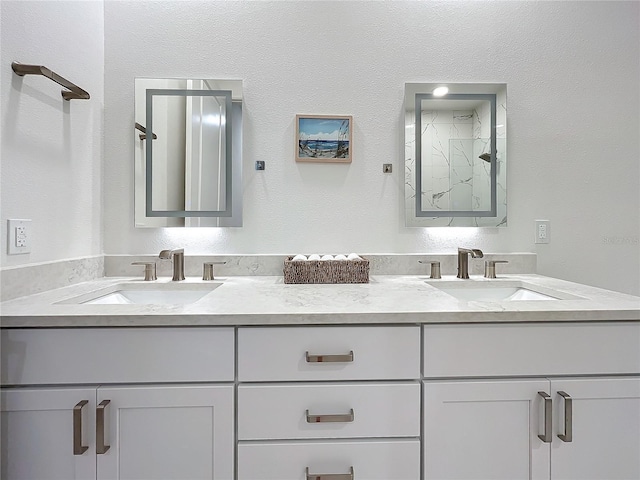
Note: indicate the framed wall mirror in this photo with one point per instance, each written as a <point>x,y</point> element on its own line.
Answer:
<point>455,155</point>
<point>188,153</point>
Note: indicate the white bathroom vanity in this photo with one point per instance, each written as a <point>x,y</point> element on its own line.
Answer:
<point>257,380</point>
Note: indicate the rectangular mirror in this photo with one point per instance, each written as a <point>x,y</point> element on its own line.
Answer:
<point>455,155</point>
<point>188,153</point>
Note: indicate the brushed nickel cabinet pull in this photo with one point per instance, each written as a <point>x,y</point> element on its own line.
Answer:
<point>78,448</point>
<point>546,436</point>
<point>101,448</point>
<point>340,418</point>
<point>567,436</point>
<point>329,358</point>
<point>330,476</point>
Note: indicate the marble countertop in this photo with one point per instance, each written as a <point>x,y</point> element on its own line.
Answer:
<point>267,300</point>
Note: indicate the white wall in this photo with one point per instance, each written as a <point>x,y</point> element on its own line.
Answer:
<point>573,146</point>
<point>51,154</point>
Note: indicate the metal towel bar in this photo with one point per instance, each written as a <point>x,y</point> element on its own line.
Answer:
<point>76,92</point>
<point>143,135</point>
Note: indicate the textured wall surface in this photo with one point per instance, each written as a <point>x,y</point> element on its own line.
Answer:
<point>572,70</point>
<point>52,149</point>
<point>573,121</point>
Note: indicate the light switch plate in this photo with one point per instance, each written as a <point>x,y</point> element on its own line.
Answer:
<point>19,237</point>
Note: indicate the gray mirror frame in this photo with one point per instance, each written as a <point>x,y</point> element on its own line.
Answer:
<point>227,212</point>
<point>497,161</point>
<point>235,120</point>
<point>420,212</point>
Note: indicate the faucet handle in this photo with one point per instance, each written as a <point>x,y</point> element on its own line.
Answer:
<point>149,270</point>
<point>207,270</point>
<point>490,268</point>
<point>435,268</point>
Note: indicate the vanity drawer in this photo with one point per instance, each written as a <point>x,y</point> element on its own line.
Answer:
<point>303,411</point>
<point>116,355</point>
<point>370,460</point>
<point>328,353</point>
<point>489,350</point>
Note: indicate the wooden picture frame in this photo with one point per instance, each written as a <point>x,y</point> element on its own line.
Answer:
<point>324,138</point>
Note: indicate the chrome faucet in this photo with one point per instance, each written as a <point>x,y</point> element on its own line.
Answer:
<point>177,257</point>
<point>463,260</point>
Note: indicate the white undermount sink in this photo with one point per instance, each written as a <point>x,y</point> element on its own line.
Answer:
<point>497,291</point>
<point>147,293</point>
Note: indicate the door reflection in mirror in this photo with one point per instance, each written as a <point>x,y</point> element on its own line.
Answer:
<point>190,173</point>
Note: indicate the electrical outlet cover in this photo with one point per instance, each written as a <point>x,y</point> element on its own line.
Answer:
<point>543,231</point>
<point>19,237</point>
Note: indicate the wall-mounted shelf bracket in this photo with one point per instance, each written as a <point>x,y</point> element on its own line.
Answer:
<point>74,91</point>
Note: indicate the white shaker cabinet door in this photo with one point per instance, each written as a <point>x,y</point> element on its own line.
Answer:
<point>479,430</point>
<point>38,441</point>
<point>166,433</point>
<point>603,423</point>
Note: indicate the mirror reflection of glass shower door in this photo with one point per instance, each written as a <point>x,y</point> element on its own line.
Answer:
<point>205,155</point>
<point>168,155</point>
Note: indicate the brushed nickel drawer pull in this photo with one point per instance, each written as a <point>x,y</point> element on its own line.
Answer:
<point>329,358</point>
<point>546,436</point>
<point>330,476</point>
<point>78,448</point>
<point>339,418</point>
<point>567,436</point>
<point>101,448</point>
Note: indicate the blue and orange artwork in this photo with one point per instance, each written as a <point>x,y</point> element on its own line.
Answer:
<point>323,138</point>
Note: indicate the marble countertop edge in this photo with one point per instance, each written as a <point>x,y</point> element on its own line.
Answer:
<point>266,300</point>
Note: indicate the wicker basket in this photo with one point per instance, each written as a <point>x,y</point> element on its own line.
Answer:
<point>326,271</point>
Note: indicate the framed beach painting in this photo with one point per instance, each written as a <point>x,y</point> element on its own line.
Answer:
<point>323,138</point>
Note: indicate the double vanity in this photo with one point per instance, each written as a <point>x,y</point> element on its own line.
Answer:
<point>248,378</point>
